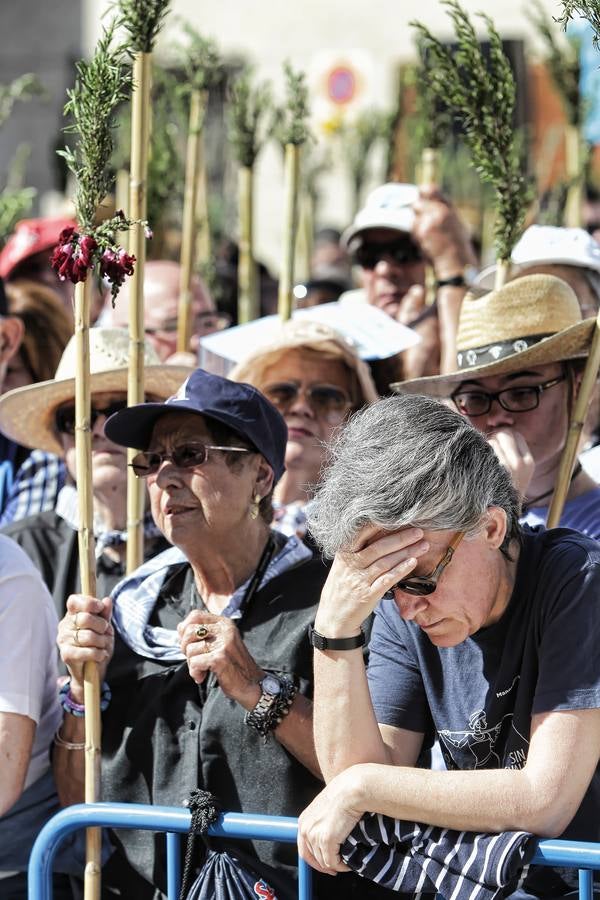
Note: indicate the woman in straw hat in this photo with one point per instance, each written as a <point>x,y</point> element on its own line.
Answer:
<point>316,380</point>
<point>42,416</point>
<point>520,353</point>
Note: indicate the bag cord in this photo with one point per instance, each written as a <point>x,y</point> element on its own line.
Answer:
<point>204,808</point>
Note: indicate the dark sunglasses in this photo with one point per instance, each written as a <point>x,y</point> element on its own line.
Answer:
<point>64,417</point>
<point>401,252</point>
<point>186,456</point>
<point>328,401</point>
<point>422,585</point>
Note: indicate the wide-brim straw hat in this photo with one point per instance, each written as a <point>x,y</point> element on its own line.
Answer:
<point>304,334</point>
<point>27,413</point>
<point>532,321</point>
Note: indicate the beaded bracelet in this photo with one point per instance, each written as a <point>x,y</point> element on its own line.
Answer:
<point>78,709</point>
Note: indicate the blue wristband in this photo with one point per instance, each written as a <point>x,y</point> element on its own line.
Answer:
<point>78,709</point>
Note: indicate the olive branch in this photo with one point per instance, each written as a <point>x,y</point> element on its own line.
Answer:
<point>562,61</point>
<point>248,108</point>
<point>587,9</point>
<point>290,120</point>
<point>480,93</point>
<point>100,86</point>
<point>142,21</point>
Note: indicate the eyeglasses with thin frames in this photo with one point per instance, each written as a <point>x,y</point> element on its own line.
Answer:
<point>186,456</point>
<point>422,585</point>
<point>522,398</point>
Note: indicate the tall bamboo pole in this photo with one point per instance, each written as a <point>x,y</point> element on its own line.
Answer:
<point>140,134</point>
<point>248,300</point>
<point>430,174</point>
<point>502,272</point>
<point>569,454</point>
<point>203,242</point>
<point>87,565</point>
<point>285,302</point>
<point>574,176</point>
<point>189,231</point>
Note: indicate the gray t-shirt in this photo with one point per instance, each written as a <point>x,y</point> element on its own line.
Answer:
<point>477,698</point>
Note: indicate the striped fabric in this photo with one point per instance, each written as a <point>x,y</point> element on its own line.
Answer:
<point>423,859</point>
<point>35,487</point>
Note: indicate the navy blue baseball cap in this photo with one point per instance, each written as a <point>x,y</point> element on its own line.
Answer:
<point>238,406</point>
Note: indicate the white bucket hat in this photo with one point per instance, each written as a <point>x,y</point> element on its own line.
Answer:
<point>549,246</point>
<point>388,206</point>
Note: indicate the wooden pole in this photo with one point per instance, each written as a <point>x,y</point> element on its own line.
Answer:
<point>188,232</point>
<point>87,567</point>
<point>502,271</point>
<point>140,133</point>
<point>430,175</point>
<point>569,454</point>
<point>286,277</point>
<point>203,251</point>
<point>574,176</point>
<point>248,300</point>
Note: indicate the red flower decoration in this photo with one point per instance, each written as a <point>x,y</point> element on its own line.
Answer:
<point>73,255</point>
<point>116,266</point>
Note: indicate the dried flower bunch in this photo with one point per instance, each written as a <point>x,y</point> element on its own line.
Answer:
<point>78,253</point>
<point>480,92</point>
<point>101,85</point>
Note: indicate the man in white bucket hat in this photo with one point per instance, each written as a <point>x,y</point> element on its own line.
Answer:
<point>520,356</point>
<point>398,231</point>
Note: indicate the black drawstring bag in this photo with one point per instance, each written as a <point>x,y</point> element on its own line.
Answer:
<point>222,876</point>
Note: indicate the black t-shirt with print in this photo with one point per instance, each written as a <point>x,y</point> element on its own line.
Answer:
<point>478,698</point>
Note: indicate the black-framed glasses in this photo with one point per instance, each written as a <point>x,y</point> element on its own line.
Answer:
<point>401,251</point>
<point>186,456</point>
<point>64,417</point>
<point>421,585</point>
<point>522,398</point>
<point>328,401</point>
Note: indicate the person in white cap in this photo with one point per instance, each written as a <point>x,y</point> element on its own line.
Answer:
<point>398,231</point>
<point>568,253</point>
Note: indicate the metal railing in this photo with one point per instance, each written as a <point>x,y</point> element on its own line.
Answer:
<point>176,820</point>
<point>173,820</point>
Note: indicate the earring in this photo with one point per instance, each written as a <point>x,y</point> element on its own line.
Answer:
<point>255,506</point>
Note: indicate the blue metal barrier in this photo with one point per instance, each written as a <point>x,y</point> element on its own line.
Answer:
<point>173,820</point>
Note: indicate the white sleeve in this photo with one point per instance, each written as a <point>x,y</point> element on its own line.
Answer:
<point>28,624</point>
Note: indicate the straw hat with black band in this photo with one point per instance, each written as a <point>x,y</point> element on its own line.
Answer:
<point>304,334</point>
<point>27,413</point>
<point>531,321</point>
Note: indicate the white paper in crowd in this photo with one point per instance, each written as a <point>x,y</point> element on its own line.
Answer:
<point>372,333</point>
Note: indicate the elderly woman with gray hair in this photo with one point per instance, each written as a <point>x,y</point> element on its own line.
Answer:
<point>485,636</point>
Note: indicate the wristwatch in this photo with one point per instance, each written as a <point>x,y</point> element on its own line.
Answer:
<point>276,697</point>
<point>320,642</point>
<point>461,279</point>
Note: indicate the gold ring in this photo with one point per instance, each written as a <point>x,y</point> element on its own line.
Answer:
<point>77,630</point>
<point>201,632</point>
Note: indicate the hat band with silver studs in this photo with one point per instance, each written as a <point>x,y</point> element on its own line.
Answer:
<point>491,353</point>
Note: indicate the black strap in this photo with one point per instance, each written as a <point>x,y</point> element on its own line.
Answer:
<point>320,642</point>
<point>204,808</point>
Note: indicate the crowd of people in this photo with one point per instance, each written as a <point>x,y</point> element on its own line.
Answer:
<point>349,609</point>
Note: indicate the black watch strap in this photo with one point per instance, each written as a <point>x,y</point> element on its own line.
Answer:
<point>455,281</point>
<point>320,642</point>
